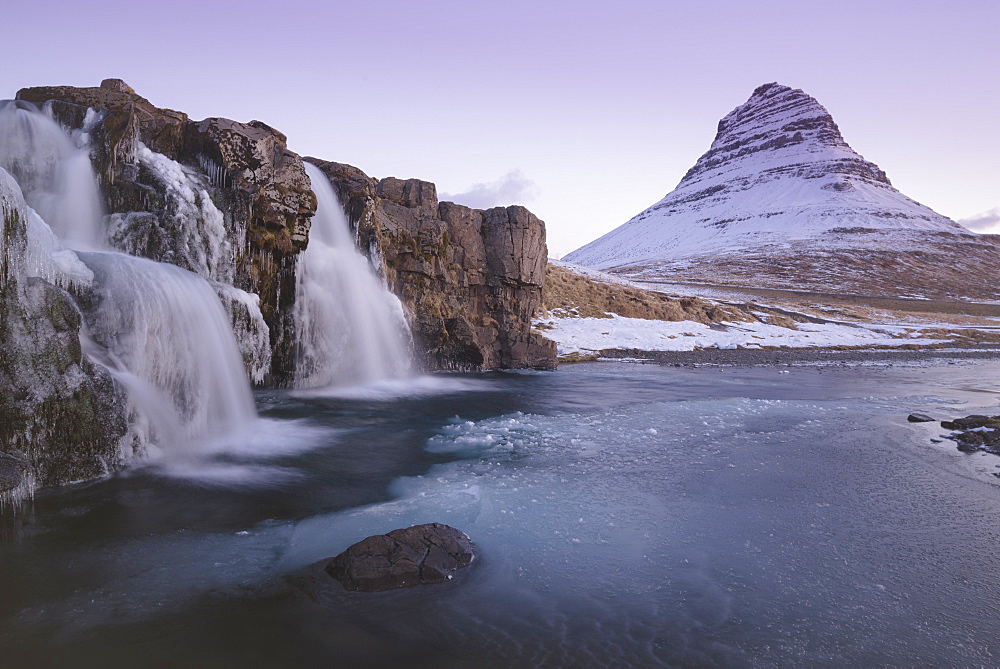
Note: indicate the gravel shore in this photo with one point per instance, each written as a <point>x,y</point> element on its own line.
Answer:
<point>802,356</point>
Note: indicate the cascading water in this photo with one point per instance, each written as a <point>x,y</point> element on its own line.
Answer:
<point>54,174</point>
<point>161,330</point>
<point>163,333</point>
<point>350,330</point>
<point>191,232</point>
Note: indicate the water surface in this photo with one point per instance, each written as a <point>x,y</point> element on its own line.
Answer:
<point>627,515</point>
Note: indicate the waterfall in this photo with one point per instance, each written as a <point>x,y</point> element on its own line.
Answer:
<point>163,333</point>
<point>159,329</point>
<point>54,175</point>
<point>350,329</point>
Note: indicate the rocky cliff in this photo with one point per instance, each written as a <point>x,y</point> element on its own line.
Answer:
<point>164,177</point>
<point>470,279</point>
<point>229,201</point>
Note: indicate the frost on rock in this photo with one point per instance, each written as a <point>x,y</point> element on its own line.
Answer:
<point>188,230</point>
<point>252,334</point>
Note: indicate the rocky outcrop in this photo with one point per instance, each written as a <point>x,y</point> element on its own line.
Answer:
<point>471,280</point>
<point>418,555</point>
<point>60,413</point>
<point>250,179</point>
<point>975,433</point>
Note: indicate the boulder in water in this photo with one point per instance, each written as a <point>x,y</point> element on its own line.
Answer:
<point>975,433</point>
<point>418,555</point>
<point>971,422</point>
<point>919,418</point>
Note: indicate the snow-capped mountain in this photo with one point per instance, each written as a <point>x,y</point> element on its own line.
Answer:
<point>779,180</point>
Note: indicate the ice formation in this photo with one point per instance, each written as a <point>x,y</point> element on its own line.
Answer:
<point>194,226</point>
<point>159,329</point>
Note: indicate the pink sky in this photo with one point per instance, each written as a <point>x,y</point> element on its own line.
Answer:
<point>586,112</point>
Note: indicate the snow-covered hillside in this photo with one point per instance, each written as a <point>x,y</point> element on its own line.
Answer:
<point>778,172</point>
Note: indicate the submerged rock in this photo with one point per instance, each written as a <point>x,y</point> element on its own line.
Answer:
<point>418,555</point>
<point>919,418</point>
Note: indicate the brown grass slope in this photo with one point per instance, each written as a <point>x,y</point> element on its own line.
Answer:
<point>569,294</point>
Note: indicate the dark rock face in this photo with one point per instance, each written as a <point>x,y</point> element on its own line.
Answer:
<point>418,555</point>
<point>13,474</point>
<point>259,185</point>
<point>919,418</point>
<point>60,412</point>
<point>470,280</point>
<point>971,422</point>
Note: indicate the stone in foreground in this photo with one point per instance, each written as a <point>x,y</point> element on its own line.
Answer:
<point>418,555</point>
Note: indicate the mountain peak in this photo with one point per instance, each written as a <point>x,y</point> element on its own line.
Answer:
<point>778,170</point>
<point>785,124</point>
<point>764,88</point>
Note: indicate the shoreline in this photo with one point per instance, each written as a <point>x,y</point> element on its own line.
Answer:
<point>793,356</point>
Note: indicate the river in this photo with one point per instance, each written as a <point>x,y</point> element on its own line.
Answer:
<point>627,515</point>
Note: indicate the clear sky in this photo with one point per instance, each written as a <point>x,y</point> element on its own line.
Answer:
<point>585,112</point>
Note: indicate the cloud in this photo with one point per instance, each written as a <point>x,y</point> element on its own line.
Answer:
<point>987,222</point>
<point>512,188</point>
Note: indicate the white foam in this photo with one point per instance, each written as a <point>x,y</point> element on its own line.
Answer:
<point>405,388</point>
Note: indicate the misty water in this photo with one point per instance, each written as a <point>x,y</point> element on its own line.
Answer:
<point>627,515</point>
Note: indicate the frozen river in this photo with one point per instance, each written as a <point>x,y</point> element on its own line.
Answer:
<point>627,515</point>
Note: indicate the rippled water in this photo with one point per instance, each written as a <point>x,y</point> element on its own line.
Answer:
<point>627,515</point>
